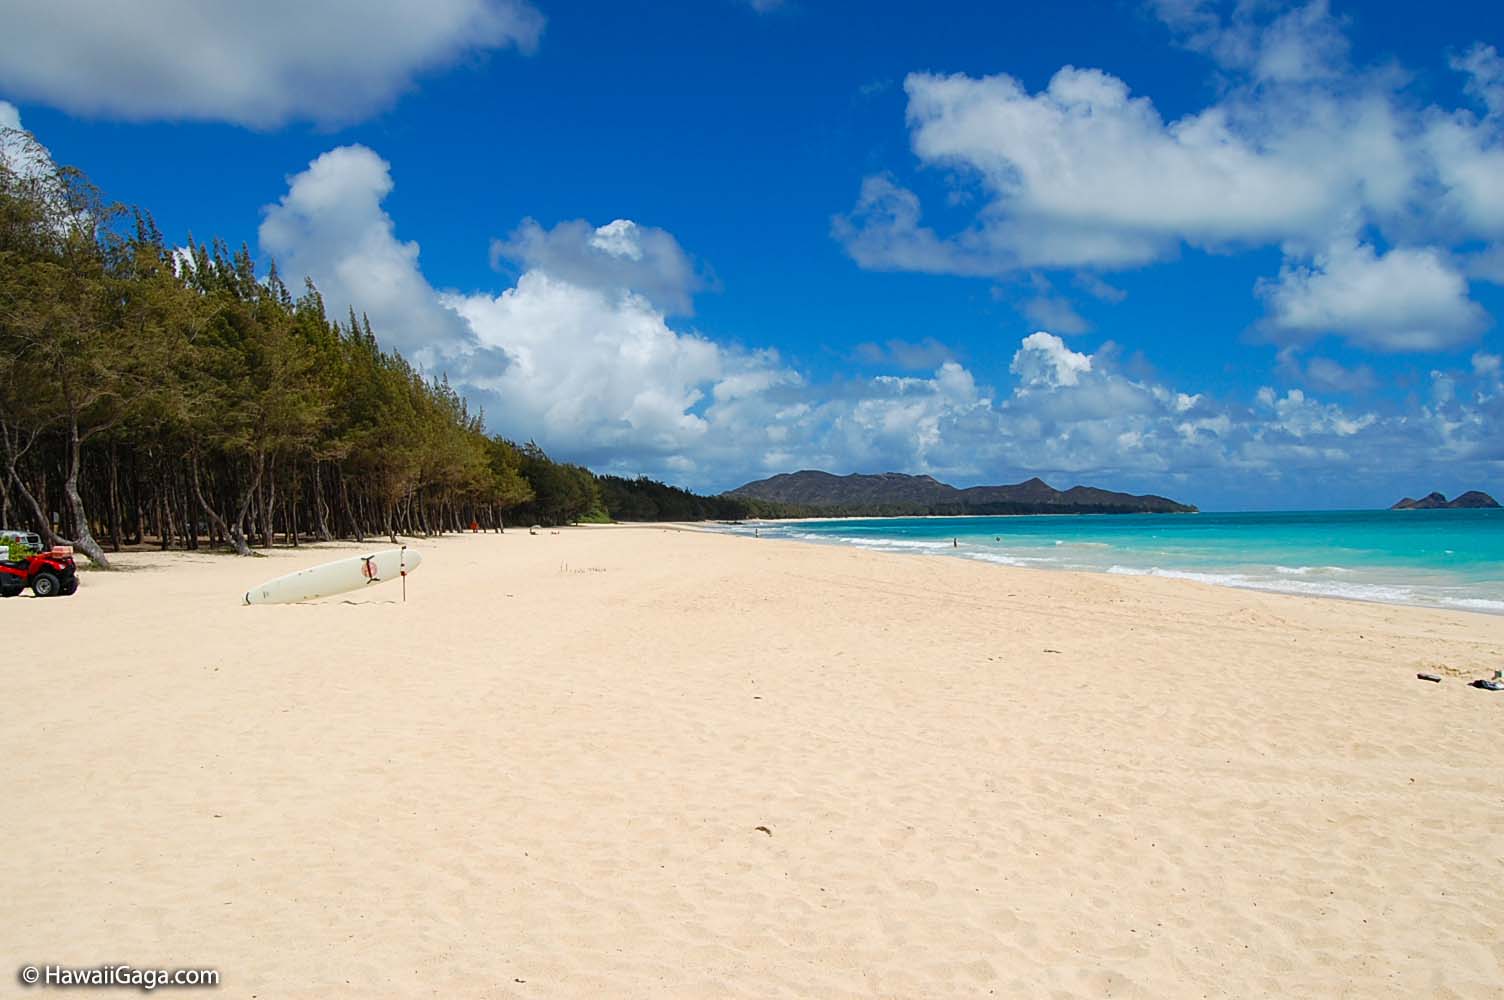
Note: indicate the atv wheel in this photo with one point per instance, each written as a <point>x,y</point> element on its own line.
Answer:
<point>69,586</point>
<point>45,585</point>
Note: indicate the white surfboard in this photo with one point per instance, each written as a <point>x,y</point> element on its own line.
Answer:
<point>339,577</point>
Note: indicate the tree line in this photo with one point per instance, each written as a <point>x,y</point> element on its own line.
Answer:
<point>152,394</point>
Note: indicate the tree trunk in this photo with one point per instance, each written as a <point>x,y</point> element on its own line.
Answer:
<point>115,512</point>
<point>44,526</point>
<point>344,492</point>
<point>84,542</point>
<point>269,506</point>
<point>237,527</point>
<point>321,509</point>
<point>169,522</point>
<point>13,452</point>
<point>233,533</point>
<point>292,509</point>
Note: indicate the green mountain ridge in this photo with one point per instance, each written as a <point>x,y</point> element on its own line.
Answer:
<point>896,493</point>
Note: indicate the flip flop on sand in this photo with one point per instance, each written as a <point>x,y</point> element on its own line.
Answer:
<point>1493,685</point>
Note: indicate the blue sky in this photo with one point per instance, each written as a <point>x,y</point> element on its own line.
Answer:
<point>1245,254</point>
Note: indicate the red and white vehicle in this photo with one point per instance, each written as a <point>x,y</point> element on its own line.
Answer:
<point>48,574</point>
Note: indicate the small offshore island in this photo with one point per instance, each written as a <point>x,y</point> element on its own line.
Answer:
<point>1471,500</point>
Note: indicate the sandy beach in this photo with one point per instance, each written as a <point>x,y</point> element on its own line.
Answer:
<point>638,762</point>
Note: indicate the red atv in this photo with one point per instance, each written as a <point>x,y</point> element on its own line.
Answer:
<point>48,574</point>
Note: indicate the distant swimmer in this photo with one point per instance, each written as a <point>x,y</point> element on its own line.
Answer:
<point>955,544</point>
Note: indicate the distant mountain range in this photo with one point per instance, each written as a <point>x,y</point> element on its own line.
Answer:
<point>893,493</point>
<point>1472,499</point>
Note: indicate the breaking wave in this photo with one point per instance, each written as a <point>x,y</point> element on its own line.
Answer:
<point>1381,593</point>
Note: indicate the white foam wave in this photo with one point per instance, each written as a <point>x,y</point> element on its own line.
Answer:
<point>898,543</point>
<point>1475,604</point>
<point>1383,593</point>
<point>874,543</point>
<point>1308,570</point>
<point>1312,580</point>
<point>1004,559</point>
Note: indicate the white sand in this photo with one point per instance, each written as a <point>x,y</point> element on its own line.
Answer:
<point>543,775</point>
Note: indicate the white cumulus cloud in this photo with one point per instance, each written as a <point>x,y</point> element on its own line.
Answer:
<point>1044,360</point>
<point>599,373</point>
<point>22,153</point>
<point>331,62</point>
<point>1484,68</point>
<point>1087,174</point>
<point>574,356</point>
<point>1300,151</point>
<point>1404,300</point>
<point>331,227</point>
<point>1260,39</point>
<point>620,254</point>
<point>1467,154</point>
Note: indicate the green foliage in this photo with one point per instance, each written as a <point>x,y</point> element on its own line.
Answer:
<point>562,493</point>
<point>18,550</point>
<point>176,393</point>
<point>644,499</point>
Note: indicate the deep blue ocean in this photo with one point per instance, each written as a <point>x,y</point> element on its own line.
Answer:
<point>1436,558</point>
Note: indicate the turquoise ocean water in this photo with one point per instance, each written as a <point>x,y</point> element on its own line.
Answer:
<point>1436,558</point>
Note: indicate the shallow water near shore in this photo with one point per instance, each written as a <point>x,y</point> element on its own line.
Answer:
<point>1431,558</point>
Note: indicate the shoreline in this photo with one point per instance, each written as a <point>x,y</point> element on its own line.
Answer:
<point>1232,577</point>
<point>1176,576</point>
<point>728,529</point>
<point>268,563</point>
